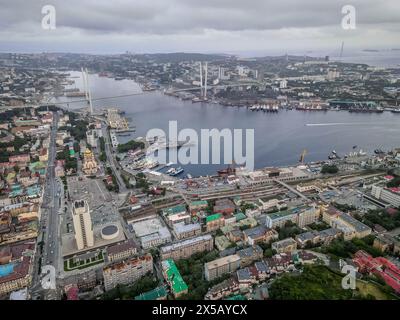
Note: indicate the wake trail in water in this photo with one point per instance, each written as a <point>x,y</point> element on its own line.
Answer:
<point>336,124</point>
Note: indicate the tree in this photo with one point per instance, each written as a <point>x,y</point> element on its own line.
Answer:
<point>329,168</point>
<point>130,145</point>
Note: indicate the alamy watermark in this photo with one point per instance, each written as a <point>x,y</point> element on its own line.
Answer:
<point>48,280</point>
<point>197,150</point>
<point>349,18</point>
<point>349,280</point>
<point>49,19</point>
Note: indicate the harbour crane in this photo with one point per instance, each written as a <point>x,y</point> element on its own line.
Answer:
<point>302,156</point>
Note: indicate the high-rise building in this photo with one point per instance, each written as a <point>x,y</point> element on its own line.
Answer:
<point>82,224</point>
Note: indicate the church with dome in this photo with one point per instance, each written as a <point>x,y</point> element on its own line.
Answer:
<point>89,163</point>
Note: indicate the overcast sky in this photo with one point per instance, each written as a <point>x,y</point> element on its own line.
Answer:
<point>229,26</point>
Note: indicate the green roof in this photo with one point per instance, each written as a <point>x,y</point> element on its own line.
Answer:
<point>280,214</point>
<point>37,165</point>
<point>173,276</point>
<point>213,217</point>
<point>175,209</point>
<point>199,203</point>
<point>155,294</point>
<point>240,216</point>
<point>237,297</point>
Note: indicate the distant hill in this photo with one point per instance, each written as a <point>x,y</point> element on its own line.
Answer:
<point>182,56</point>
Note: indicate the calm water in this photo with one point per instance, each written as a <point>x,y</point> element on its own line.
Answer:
<point>279,138</point>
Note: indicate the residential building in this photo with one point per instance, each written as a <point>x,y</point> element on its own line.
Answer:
<point>173,277</point>
<point>16,266</point>
<point>91,136</point>
<point>121,251</point>
<point>249,255</point>
<point>214,222</point>
<point>287,245</point>
<point>389,195</point>
<point>183,231</point>
<point>259,234</point>
<point>160,237</point>
<point>178,209</point>
<point>224,289</point>
<point>306,215</point>
<point>279,219</point>
<point>224,206</point>
<point>127,271</point>
<point>185,248</point>
<point>172,219</point>
<point>198,205</point>
<point>380,267</point>
<point>216,268</point>
<point>317,237</point>
<point>386,243</point>
<point>351,227</point>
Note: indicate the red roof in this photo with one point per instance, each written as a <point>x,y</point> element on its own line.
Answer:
<point>72,293</point>
<point>379,266</point>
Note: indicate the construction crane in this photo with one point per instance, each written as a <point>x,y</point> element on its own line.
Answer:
<point>302,156</point>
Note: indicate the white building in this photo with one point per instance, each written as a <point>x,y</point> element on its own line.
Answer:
<point>91,137</point>
<point>387,195</point>
<point>82,224</point>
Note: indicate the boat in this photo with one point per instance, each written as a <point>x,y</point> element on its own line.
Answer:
<point>189,176</point>
<point>333,155</point>
<point>378,151</point>
<point>176,171</point>
<point>226,172</point>
<point>170,170</point>
<point>395,110</point>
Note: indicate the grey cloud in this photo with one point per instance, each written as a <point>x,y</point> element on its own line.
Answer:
<point>176,18</point>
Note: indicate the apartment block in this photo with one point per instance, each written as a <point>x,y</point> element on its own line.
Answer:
<point>216,268</point>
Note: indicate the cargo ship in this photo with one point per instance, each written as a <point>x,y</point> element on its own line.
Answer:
<point>226,172</point>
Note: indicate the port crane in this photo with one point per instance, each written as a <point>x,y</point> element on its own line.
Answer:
<point>302,156</point>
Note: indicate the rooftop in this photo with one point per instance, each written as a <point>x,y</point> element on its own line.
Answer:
<point>173,276</point>
<point>213,217</point>
<point>159,292</point>
<point>185,243</point>
<point>222,261</point>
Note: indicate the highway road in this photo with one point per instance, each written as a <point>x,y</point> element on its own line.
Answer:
<point>53,202</point>
<point>110,159</point>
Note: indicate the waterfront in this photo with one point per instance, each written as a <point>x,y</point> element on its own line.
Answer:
<point>279,137</point>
